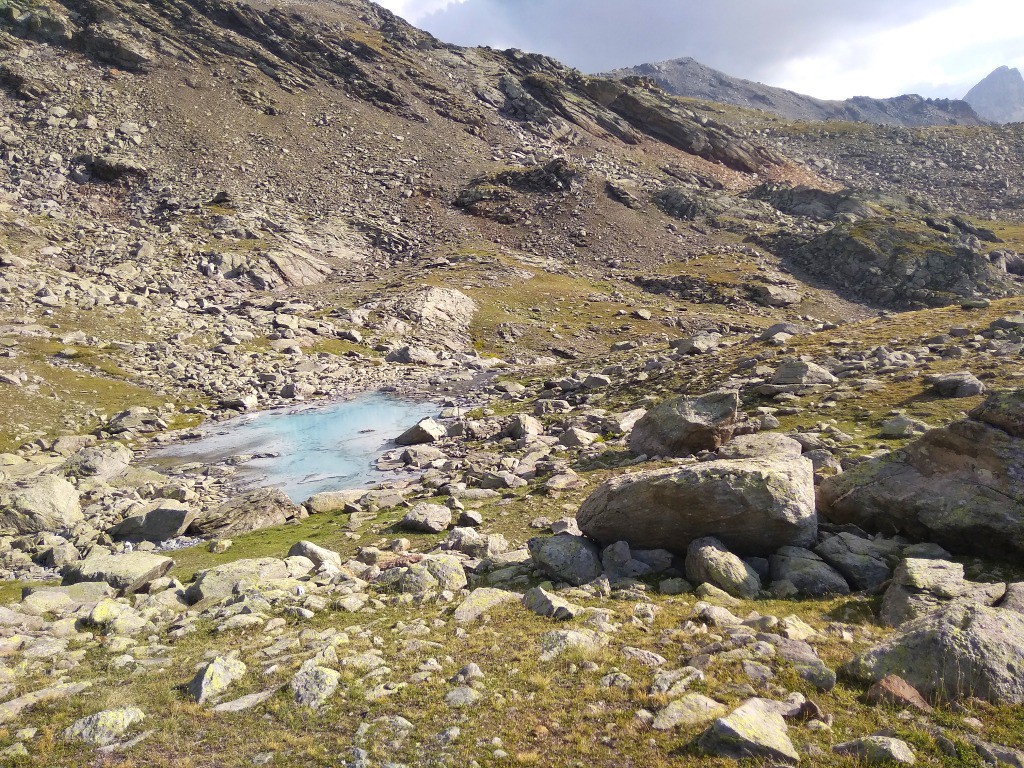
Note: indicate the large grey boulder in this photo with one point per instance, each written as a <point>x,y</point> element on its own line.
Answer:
<point>754,730</point>
<point>961,384</point>
<point>220,582</point>
<point>683,426</point>
<point>433,573</point>
<point>424,431</point>
<point>427,518</point>
<point>760,444</point>
<point>253,511</point>
<point>795,371</point>
<point>708,562</point>
<point>106,727</point>
<point>921,586</point>
<point>958,651</point>
<point>754,506</point>
<point>215,678</point>
<point>572,559</point>
<point>862,562</point>
<point>36,504</point>
<point>811,575</point>
<point>163,519</point>
<point>128,573</point>
<point>959,486</point>
<point>102,462</point>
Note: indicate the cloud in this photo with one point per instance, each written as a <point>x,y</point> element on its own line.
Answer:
<point>830,49</point>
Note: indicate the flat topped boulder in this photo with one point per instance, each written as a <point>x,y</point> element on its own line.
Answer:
<point>161,520</point>
<point>683,426</point>
<point>36,504</point>
<point>796,371</point>
<point>129,572</point>
<point>253,511</point>
<point>217,583</point>
<point>754,506</point>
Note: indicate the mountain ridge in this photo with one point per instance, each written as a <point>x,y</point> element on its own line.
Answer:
<point>999,97</point>
<point>689,78</point>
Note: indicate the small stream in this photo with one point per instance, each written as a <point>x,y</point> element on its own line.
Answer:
<point>306,450</point>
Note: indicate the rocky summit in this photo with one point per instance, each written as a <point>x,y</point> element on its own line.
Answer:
<point>724,459</point>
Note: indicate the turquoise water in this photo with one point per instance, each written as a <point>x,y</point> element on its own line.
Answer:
<point>320,448</point>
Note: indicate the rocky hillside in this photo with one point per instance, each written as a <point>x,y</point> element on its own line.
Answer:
<point>726,461</point>
<point>689,78</point>
<point>999,97</point>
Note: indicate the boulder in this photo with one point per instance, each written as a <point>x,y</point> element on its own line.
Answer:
<point>37,504</point>
<point>220,582</point>
<point>313,685</point>
<point>754,506</point>
<point>921,586</point>
<point>959,486</point>
<point>572,559</point>
<point>163,519</point>
<point>689,710</point>
<point>105,728</point>
<point>480,601</point>
<point>103,462</point>
<point>754,730</point>
<point>544,603</point>
<point>811,575</point>
<point>760,445</point>
<point>252,511</point>
<point>796,371</point>
<point>708,562</point>
<point>877,750</point>
<point>962,384</point>
<point>215,678</point>
<point>427,518</point>
<point>958,651</point>
<point>127,573</point>
<point>862,562</point>
<point>425,431</point>
<point>683,426</point>
<point>316,554</point>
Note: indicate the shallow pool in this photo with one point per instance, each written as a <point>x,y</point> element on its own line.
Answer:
<point>318,448</point>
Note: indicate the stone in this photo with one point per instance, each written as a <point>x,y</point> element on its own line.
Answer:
<point>760,445</point>
<point>698,344</point>
<point>754,506</point>
<point>215,678</point>
<point>427,518</point>
<point>958,487</point>
<point>956,385</point>
<point>523,427</point>
<point>246,702</point>
<point>313,685</point>
<point>862,562</point>
<point>43,503</point>
<point>1013,600</point>
<point>12,708</point>
<point>412,355</point>
<point>955,652</point>
<point>896,691</point>
<point>584,641</point>
<point>545,603</point>
<point>920,586</point>
<point>877,750</point>
<point>805,661</point>
<point>425,431</point>
<point>754,730</point>
<point>220,582</point>
<point>252,511</point>
<point>683,426</point>
<point>709,562</point>
<point>316,554</point>
<point>106,727</point>
<point>461,697</point>
<point>572,559</point>
<point>688,711</point>
<point>480,601</point>
<point>102,463</point>
<point>127,573</point>
<point>796,371</point>
<point>811,575</point>
<point>163,519</point>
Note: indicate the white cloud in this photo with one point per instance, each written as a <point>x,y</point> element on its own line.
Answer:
<point>943,53</point>
<point>414,10</point>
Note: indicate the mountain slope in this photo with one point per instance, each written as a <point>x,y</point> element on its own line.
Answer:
<point>999,97</point>
<point>689,78</point>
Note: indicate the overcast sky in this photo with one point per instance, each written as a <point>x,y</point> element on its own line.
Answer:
<point>825,48</point>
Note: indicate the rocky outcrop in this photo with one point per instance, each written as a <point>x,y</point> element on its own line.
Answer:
<point>899,264</point>
<point>754,506</point>
<point>999,97</point>
<point>36,504</point>
<point>959,486</point>
<point>960,651</point>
